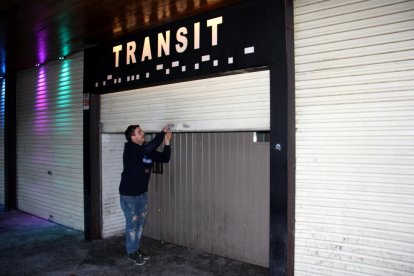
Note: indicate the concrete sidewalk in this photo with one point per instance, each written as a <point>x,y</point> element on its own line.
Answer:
<point>33,246</point>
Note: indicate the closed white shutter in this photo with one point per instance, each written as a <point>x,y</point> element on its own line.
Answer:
<point>2,111</point>
<point>236,102</point>
<point>50,141</point>
<point>354,75</point>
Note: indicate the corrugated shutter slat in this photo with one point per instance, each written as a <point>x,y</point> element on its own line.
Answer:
<point>241,102</point>
<point>354,71</point>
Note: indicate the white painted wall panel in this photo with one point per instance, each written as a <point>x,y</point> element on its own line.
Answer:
<point>50,141</point>
<point>354,70</point>
<point>228,103</point>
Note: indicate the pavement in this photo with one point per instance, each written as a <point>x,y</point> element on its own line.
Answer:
<point>33,246</point>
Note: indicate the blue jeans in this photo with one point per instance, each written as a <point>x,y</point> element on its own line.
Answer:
<point>135,210</point>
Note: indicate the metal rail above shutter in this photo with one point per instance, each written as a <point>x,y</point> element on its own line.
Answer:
<point>228,103</point>
<point>354,63</point>
<point>50,141</point>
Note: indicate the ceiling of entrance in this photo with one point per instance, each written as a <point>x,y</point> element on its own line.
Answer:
<point>34,32</point>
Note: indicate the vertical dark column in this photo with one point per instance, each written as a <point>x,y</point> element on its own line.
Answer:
<point>291,189</point>
<point>282,137</point>
<point>10,142</point>
<point>91,167</point>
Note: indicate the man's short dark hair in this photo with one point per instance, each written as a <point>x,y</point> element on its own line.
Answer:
<point>130,131</point>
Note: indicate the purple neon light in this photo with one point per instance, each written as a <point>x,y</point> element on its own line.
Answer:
<point>41,103</point>
<point>42,47</point>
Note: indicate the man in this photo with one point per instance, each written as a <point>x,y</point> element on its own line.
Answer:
<point>133,189</point>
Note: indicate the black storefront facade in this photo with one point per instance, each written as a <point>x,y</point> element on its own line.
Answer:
<point>262,27</point>
<point>254,35</point>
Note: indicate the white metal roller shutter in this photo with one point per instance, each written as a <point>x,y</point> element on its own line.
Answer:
<point>354,75</point>
<point>113,220</point>
<point>235,102</point>
<point>50,141</point>
<point>2,111</point>
<point>145,107</point>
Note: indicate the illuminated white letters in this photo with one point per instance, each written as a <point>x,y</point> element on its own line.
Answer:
<point>213,24</point>
<point>197,35</point>
<point>164,44</point>
<point>146,52</point>
<point>116,50</point>
<point>131,47</point>
<point>182,39</point>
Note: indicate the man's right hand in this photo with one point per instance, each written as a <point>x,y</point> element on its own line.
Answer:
<point>167,138</point>
<point>166,128</point>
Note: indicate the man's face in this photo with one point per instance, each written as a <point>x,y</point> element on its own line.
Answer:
<point>139,136</point>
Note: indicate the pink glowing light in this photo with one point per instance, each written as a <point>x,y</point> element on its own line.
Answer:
<point>41,103</point>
